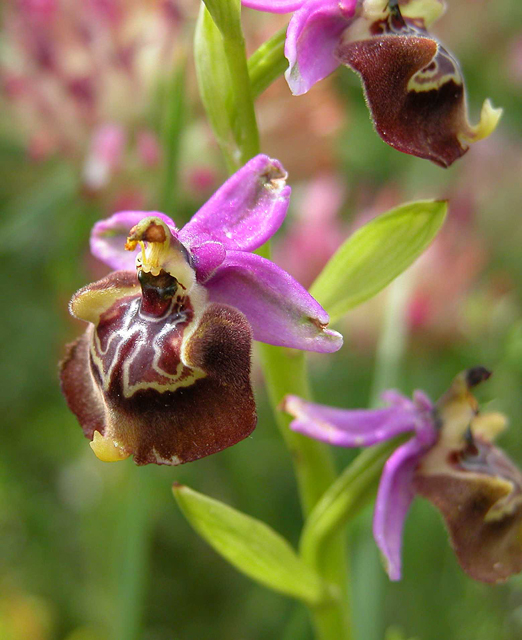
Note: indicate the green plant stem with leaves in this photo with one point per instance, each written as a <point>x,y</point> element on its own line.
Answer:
<point>285,371</point>
<point>364,265</point>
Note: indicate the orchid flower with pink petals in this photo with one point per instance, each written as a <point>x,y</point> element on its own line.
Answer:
<point>163,370</point>
<point>413,85</point>
<point>450,460</point>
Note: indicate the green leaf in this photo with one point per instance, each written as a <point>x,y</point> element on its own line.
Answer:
<point>376,254</point>
<point>172,124</point>
<point>267,63</point>
<point>224,83</point>
<point>215,85</point>
<point>251,546</point>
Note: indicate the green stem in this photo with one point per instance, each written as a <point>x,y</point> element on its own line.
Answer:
<point>284,369</point>
<point>267,63</point>
<point>285,372</point>
<point>172,126</point>
<point>246,132</point>
<point>131,558</point>
<point>392,341</point>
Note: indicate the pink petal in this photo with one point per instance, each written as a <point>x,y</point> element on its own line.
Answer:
<point>246,211</point>
<point>274,6</point>
<point>313,35</point>
<point>393,501</point>
<point>350,427</point>
<point>279,309</point>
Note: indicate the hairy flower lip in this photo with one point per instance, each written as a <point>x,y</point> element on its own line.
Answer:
<point>153,382</point>
<point>163,371</point>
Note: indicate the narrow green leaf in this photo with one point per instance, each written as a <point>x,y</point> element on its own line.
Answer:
<point>215,85</point>
<point>267,63</point>
<point>171,134</point>
<point>376,254</point>
<point>251,546</point>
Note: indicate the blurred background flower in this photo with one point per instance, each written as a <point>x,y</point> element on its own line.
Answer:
<point>81,79</point>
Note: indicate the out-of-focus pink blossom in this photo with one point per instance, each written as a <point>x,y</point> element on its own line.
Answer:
<point>105,155</point>
<point>84,73</point>
<point>445,276</point>
<point>316,232</point>
<point>149,148</point>
<point>202,179</point>
<point>514,62</point>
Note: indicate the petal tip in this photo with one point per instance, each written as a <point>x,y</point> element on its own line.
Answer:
<point>489,119</point>
<point>295,81</point>
<point>107,450</point>
<point>290,404</point>
<point>334,340</point>
<point>275,176</point>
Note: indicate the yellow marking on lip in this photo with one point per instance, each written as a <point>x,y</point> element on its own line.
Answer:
<point>106,449</point>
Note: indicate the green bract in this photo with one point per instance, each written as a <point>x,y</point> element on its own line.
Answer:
<point>251,546</point>
<point>224,83</point>
<point>214,81</point>
<point>376,254</point>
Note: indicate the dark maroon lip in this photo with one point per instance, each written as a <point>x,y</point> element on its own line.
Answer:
<point>158,380</point>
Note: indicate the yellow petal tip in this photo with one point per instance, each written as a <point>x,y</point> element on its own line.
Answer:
<point>489,119</point>
<point>106,449</point>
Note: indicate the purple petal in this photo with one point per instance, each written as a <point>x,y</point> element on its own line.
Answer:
<point>393,501</point>
<point>350,427</point>
<point>313,36</point>
<point>108,237</point>
<point>279,309</point>
<point>207,258</point>
<point>395,398</point>
<point>246,211</point>
<point>274,6</point>
<point>422,401</point>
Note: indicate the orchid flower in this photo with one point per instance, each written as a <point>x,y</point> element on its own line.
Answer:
<point>450,460</point>
<point>163,370</point>
<point>413,86</point>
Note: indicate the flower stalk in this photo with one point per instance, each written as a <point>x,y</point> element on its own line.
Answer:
<point>284,369</point>
<point>247,135</point>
